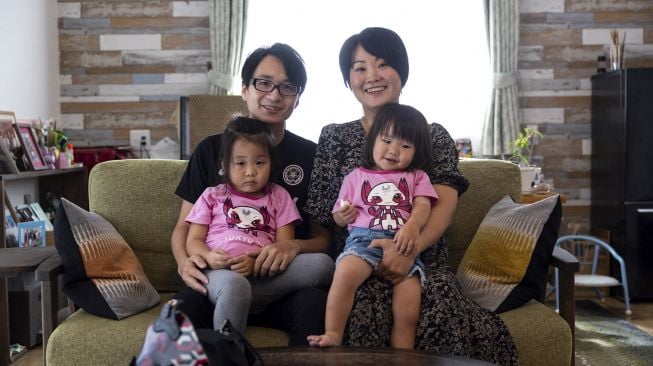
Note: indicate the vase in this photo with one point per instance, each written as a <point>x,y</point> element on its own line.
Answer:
<point>530,175</point>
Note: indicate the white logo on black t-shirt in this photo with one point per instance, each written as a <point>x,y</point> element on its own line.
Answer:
<point>293,175</point>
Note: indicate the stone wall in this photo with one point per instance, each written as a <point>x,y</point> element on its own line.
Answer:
<point>124,65</point>
<point>559,45</point>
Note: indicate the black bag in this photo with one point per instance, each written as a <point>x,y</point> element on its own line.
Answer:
<point>172,339</point>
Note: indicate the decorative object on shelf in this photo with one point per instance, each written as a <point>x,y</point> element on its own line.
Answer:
<point>11,149</point>
<point>31,234</point>
<point>464,147</point>
<point>617,50</point>
<point>522,150</point>
<point>31,149</point>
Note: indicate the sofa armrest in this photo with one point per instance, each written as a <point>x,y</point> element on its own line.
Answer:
<point>567,266</point>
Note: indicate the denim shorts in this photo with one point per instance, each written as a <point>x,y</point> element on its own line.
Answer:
<point>358,243</point>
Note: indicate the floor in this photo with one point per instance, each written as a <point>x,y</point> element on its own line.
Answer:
<point>642,317</point>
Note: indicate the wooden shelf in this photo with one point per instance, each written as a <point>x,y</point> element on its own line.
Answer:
<point>71,183</point>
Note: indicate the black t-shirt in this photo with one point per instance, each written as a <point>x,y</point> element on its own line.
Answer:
<point>294,158</point>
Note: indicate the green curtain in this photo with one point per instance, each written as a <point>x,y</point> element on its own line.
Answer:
<point>228,20</point>
<point>501,125</point>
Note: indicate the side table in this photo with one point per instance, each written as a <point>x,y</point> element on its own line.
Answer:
<point>14,261</point>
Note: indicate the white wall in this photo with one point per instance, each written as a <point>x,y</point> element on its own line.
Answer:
<point>29,58</point>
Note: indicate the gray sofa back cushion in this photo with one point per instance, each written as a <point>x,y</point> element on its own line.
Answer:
<point>137,197</point>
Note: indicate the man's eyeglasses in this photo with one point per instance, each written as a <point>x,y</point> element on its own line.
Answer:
<point>264,85</point>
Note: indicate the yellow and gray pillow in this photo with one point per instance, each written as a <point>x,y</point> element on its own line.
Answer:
<point>507,262</point>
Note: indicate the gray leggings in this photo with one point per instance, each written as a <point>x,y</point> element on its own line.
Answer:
<point>235,296</point>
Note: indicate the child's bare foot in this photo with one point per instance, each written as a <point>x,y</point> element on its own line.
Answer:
<point>328,339</point>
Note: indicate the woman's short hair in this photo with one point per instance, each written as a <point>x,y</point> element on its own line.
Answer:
<point>251,130</point>
<point>291,60</point>
<point>379,42</point>
<point>403,122</point>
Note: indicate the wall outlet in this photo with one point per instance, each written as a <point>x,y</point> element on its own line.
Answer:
<point>136,137</point>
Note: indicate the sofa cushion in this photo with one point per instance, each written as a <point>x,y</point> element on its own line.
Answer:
<point>116,342</point>
<point>507,262</point>
<point>101,272</point>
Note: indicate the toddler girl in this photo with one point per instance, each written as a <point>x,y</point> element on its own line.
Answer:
<point>390,197</point>
<point>230,222</point>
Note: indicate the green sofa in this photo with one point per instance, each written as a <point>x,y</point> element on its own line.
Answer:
<point>137,197</point>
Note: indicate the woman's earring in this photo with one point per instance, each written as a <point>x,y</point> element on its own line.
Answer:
<point>221,172</point>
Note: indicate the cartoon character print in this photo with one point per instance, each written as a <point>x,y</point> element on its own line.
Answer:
<point>248,219</point>
<point>385,198</point>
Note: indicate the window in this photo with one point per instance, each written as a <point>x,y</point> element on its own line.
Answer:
<point>446,43</point>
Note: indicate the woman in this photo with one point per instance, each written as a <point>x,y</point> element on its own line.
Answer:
<point>374,65</point>
<point>273,79</point>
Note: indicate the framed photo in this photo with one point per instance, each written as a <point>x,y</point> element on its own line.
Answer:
<point>41,215</point>
<point>10,207</point>
<point>31,234</point>
<point>30,146</point>
<point>11,230</point>
<point>25,213</point>
<point>11,148</point>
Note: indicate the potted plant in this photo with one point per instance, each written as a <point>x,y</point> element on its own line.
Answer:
<point>522,150</point>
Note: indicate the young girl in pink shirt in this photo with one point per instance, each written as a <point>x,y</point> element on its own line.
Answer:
<point>389,197</point>
<point>231,222</point>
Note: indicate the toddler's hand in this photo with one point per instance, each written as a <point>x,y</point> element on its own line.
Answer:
<point>243,264</point>
<point>406,238</point>
<point>346,214</point>
<point>217,259</point>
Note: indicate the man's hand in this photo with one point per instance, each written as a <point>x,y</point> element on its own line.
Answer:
<point>394,266</point>
<point>192,275</point>
<point>243,264</point>
<point>274,259</point>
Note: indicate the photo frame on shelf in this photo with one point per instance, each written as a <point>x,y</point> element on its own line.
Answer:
<point>11,149</point>
<point>25,213</point>
<point>41,215</point>
<point>11,225</point>
<point>31,234</point>
<point>9,207</point>
<point>30,146</point>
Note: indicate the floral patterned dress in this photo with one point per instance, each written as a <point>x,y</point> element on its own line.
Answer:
<point>449,322</point>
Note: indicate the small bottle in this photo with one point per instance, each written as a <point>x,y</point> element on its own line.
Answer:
<point>71,155</point>
<point>601,65</point>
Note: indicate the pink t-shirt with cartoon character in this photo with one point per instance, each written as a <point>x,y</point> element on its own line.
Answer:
<point>239,223</point>
<point>383,198</point>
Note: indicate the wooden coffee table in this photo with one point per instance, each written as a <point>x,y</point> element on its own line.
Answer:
<point>308,356</point>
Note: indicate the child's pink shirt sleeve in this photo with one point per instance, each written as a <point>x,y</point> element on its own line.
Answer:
<point>346,193</point>
<point>423,187</point>
<point>202,209</point>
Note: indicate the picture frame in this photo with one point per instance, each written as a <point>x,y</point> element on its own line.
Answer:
<point>25,213</point>
<point>31,234</point>
<point>11,227</point>
<point>9,207</point>
<point>41,215</point>
<point>30,146</point>
<point>11,149</point>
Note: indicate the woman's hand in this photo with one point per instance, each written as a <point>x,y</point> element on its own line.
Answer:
<point>394,266</point>
<point>274,259</point>
<point>192,275</point>
<point>243,264</point>
<point>217,259</point>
